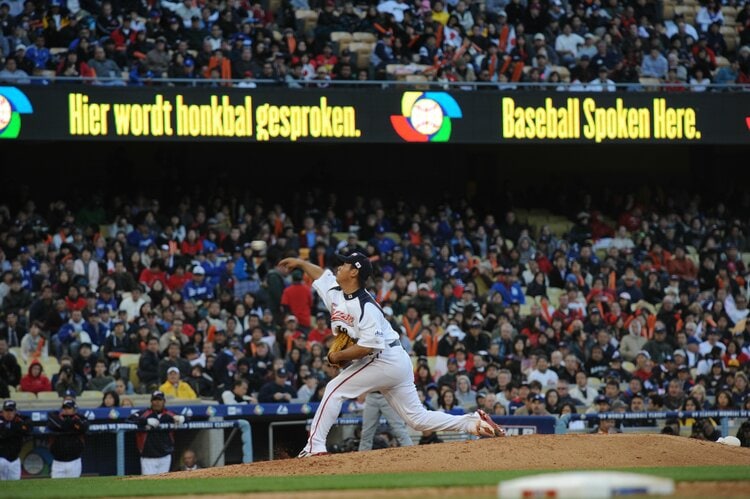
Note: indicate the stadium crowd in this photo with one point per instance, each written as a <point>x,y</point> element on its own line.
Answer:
<point>301,43</point>
<point>640,307</point>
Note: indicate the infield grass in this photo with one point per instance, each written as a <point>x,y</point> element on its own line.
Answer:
<point>80,488</point>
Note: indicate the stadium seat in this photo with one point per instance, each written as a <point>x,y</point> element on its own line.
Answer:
<point>563,72</point>
<point>364,36</point>
<point>730,13</point>
<point>340,40</point>
<point>90,394</point>
<point>363,50</point>
<point>307,19</point>
<point>554,295</point>
<point>26,396</point>
<point>721,61</point>
<point>48,396</point>
<point>649,84</point>
<point>686,10</point>
<point>274,6</point>
<point>50,365</point>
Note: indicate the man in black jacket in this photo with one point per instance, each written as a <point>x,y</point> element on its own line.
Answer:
<point>13,429</point>
<point>155,445</point>
<point>277,391</point>
<point>148,366</point>
<point>67,440</point>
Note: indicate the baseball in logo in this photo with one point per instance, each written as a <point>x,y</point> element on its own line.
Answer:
<point>426,116</point>
<point>13,103</point>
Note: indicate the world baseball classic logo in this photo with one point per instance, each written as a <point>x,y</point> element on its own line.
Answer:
<point>426,117</point>
<point>13,103</point>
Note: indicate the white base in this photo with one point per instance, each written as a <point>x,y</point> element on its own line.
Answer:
<point>584,485</point>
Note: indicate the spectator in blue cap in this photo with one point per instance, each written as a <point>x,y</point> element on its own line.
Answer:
<point>278,391</point>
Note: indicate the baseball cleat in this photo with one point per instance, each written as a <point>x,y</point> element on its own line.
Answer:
<point>495,429</point>
<point>304,453</point>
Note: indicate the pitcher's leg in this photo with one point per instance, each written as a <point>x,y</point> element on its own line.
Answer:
<point>351,383</point>
<point>405,401</point>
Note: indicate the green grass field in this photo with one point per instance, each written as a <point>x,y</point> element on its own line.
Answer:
<point>113,486</point>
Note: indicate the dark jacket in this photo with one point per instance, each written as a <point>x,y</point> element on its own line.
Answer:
<point>12,434</point>
<point>154,443</point>
<point>68,435</point>
<point>269,389</point>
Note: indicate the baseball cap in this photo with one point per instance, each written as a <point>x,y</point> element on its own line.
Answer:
<point>424,286</point>
<point>644,353</point>
<point>600,399</point>
<point>9,405</point>
<point>235,344</point>
<point>693,341</point>
<point>359,261</point>
<point>502,13</point>
<point>539,36</point>
<point>199,270</point>
<point>616,356</point>
<point>537,398</point>
<point>20,46</point>
<point>173,369</point>
<point>158,395</point>
<point>679,351</point>
<point>625,295</point>
<point>281,372</point>
<point>619,404</point>
<point>69,404</point>
<point>290,318</point>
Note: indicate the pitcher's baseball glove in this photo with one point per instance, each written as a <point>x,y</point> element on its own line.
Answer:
<point>341,341</point>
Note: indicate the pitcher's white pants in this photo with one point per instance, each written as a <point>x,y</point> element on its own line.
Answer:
<point>389,372</point>
<point>375,405</point>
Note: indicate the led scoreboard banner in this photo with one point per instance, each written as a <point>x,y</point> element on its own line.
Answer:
<point>277,114</point>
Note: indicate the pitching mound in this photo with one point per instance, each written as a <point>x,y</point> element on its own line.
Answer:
<point>549,452</point>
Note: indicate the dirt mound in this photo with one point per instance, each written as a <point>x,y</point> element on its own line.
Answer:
<point>514,453</point>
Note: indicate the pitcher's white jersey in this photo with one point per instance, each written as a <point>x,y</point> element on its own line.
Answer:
<point>357,313</point>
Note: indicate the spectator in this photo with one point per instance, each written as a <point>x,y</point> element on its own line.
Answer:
<point>110,399</point>
<point>34,381</point>
<point>238,394</point>
<point>12,74</point>
<point>189,461</point>
<point>175,387</point>
<point>654,65</point>
<point>101,381</point>
<point>277,391</point>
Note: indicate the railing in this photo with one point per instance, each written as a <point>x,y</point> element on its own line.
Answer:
<point>120,429</point>
<point>444,85</point>
<point>723,416</point>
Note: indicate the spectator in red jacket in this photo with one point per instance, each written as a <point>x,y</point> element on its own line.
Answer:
<point>35,381</point>
<point>297,300</point>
